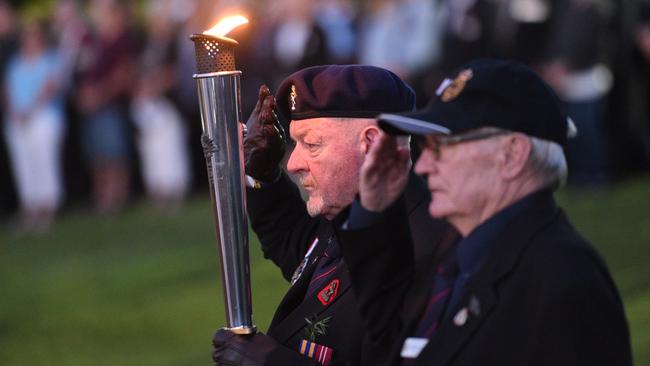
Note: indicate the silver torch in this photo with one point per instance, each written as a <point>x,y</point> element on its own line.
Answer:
<point>218,84</point>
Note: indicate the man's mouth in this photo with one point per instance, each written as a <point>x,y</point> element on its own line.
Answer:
<point>307,184</point>
<point>308,188</point>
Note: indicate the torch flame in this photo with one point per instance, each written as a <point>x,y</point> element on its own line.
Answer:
<point>225,25</point>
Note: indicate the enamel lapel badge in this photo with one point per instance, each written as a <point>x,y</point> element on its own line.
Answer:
<point>473,309</point>
<point>461,317</point>
<point>329,292</point>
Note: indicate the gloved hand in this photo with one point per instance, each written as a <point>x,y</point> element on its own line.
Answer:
<point>265,141</point>
<point>231,349</point>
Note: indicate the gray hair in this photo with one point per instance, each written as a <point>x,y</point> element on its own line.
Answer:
<point>547,163</point>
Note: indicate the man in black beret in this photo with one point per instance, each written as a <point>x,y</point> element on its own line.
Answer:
<point>330,113</point>
<point>521,286</point>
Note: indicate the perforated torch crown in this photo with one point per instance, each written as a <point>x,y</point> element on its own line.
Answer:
<point>214,54</point>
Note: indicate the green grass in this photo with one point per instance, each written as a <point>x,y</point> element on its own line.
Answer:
<point>143,288</point>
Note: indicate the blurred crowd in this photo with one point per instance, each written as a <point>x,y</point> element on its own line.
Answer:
<point>99,105</point>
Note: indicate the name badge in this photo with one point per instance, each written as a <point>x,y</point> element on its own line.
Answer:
<point>413,346</point>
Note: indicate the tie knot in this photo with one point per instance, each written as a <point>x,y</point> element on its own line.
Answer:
<point>333,250</point>
<point>449,266</point>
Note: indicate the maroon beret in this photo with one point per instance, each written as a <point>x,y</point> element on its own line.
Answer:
<point>353,91</point>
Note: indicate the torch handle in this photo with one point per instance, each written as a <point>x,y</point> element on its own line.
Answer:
<point>222,145</point>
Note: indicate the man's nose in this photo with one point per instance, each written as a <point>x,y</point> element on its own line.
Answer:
<point>296,162</point>
<point>426,163</point>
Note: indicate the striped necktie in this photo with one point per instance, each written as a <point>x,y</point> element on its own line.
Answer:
<point>441,291</point>
<point>440,294</point>
<point>327,264</point>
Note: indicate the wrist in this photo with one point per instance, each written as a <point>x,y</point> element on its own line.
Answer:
<point>254,183</point>
<point>361,218</point>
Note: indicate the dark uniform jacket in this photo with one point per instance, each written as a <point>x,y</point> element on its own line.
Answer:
<point>279,217</point>
<point>542,297</point>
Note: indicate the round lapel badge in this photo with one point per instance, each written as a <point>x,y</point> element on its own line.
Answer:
<point>461,317</point>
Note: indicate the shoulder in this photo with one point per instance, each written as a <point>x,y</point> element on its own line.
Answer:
<point>564,261</point>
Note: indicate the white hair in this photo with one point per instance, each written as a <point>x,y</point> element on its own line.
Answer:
<point>547,163</point>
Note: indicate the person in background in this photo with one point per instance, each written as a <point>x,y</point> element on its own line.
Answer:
<point>106,76</point>
<point>576,67</point>
<point>641,93</point>
<point>289,39</point>
<point>35,127</point>
<point>72,32</point>
<point>404,36</point>
<point>161,131</point>
<point>8,45</point>
<point>338,18</point>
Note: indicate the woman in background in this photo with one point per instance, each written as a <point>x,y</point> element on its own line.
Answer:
<point>106,76</point>
<point>35,127</point>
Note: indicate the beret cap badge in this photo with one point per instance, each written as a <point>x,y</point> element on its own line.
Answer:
<point>450,89</point>
<point>293,97</point>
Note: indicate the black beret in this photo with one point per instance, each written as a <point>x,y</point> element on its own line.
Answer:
<point>354,91</point>
<point>495,93</point>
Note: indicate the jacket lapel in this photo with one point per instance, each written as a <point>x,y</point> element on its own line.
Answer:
<point>311,306</point>
<point>296,293</point>
<point>480,297</point>
<point>419,292</point>
<point>458,327</point>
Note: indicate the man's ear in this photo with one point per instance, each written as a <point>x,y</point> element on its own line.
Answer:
<point>367,136</point>
<point>515,150</point>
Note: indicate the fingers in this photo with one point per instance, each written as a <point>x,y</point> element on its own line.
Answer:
<point>263,93</point>
<point>269,117</point>
<point>221,337</point>
<point>384,151</point>
<point>217,356</point>
<point>221,354</point>
<point>385,159</point>
<point>267,114</point>
<point>385,146</point>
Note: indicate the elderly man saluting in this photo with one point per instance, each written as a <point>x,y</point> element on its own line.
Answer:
<point>331,113</point>
<point>522,287</point>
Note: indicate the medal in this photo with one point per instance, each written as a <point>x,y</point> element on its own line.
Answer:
<point>303,264</point>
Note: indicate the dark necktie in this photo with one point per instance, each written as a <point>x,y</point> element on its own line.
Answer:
<point>440,294</point>
<point>327,264</point>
